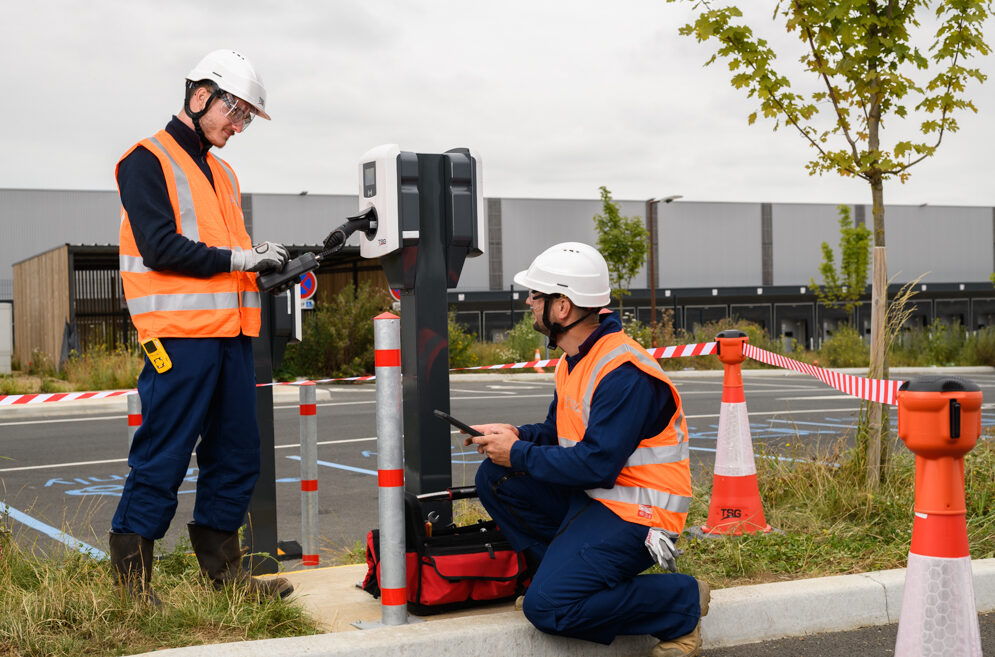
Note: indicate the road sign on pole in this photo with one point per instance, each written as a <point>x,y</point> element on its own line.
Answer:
<point>309,284</point>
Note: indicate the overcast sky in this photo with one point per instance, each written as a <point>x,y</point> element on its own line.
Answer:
<point>557,97</point>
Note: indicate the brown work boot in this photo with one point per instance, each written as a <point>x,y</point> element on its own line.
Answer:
<point>131,562</point>
<point>688,645</point>
<point>220,559</point>
<point>704,596</point>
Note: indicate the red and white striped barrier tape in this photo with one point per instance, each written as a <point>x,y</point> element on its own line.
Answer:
<point>875,390</point>
<point>678,351</point>
<point>38,398</point>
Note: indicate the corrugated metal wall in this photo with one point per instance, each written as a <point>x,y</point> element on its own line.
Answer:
<point>700,244</point>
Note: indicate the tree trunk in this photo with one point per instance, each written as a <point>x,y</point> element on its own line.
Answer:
<point>879,303</point>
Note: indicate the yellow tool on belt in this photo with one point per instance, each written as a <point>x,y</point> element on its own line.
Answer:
<point>157,355</point>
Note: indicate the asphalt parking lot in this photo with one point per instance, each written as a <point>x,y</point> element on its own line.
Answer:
<point>62,475</point>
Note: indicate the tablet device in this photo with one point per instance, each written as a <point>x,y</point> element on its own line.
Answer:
<point>465,428</point>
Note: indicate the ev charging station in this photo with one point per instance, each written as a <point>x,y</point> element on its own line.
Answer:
<point>429,212</point>
<point>422,215</point>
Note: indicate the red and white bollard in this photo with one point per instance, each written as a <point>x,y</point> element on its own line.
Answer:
<point>939,420</point>
<point>390,469</point>
<point>309,474</point>
<point>735,507</point>
<point>134,415</point>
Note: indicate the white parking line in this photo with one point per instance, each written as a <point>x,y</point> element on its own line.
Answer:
<point>63,465</point>
<point>73,419</point>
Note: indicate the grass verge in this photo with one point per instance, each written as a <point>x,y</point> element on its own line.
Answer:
<point>67,604</point>
<point>830,524</point>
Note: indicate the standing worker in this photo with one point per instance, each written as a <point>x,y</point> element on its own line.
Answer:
<point>597,492</point>
<point>186,266</point>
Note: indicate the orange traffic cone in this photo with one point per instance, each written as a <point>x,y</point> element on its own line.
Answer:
<point>939,420</point>
<point>735,507</point>
<point>537,358</point>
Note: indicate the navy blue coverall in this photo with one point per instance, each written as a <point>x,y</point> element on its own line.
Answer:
<point>210,390</point>
<point>588,583</point>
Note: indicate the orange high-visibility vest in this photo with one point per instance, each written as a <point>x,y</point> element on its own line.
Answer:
<point>169,304</point>
<point>654,486</point>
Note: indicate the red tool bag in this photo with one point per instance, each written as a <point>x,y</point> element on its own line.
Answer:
<point>452,567</point>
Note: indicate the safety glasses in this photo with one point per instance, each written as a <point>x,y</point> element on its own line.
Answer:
<point>236,113</point>
<point>536,294</point>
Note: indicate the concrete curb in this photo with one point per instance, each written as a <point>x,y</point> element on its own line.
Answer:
<point>739,615</point>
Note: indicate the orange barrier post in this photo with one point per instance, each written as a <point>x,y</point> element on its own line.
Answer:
<point>537,358</point>
<point>735,507</point>
<point>939,420</point>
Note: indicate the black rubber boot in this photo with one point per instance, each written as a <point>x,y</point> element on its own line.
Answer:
<point>131,560</point>
<point>220,559</point>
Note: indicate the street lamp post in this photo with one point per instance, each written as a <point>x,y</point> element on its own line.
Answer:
<point>651,228</point>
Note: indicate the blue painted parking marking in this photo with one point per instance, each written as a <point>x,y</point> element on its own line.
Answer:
<point>339,466</point>
<point>52,532</point>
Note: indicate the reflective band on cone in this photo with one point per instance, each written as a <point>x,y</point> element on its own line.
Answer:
<point>939,616</point>
<point>939,420</point>
<point>735,507</point>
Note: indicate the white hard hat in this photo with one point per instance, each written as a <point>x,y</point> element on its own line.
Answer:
<point>575,270</point>
<point>232,72</point>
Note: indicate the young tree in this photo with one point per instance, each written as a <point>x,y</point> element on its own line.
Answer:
<point>866,59</point>
<point>623,242</point>
<point>845,285</point>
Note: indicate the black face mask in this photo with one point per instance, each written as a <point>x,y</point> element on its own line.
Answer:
<point>555,329</point>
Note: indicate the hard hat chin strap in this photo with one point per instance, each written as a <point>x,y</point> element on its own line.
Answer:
<point>196,116</point>
<point>555,328</point>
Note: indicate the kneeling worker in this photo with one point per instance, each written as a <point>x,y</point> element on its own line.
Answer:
<point>601,489</point>
<point>187,267</point>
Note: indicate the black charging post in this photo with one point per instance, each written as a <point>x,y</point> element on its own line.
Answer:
<point>430,218</point>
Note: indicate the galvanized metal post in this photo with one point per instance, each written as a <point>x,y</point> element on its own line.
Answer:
<point>390,469</point>
<point>309,474</point>
<point>134,416</point>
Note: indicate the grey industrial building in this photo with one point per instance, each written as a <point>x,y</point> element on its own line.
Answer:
<point>711,260</point>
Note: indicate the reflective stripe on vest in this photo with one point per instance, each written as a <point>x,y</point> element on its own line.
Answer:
<point>607,358</point>
<point>231,178</point>
<point>644,497</point>
<point>648,455</point>
<point>167,303</point>
<point>251,299</point>
<point>132,264</point>
<point>198,301</point>
<point>184,196</point>
<point>654,485</point>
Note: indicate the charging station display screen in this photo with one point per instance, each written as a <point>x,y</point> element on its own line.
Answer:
<point>369,179</point>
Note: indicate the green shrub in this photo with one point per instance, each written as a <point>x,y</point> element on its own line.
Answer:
<point>641,333</point>
<point>938,344</point>
<point>845,348</point>
<point>461,343</point>
<point>980,348</point>
<point>40,365</point>
<point>337,338</point>
<point>523,340</point>
<point>99,368</point>
<point>492,353</point>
